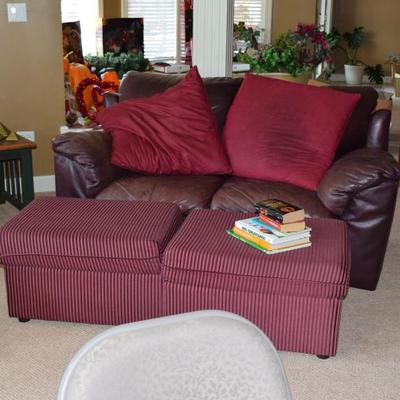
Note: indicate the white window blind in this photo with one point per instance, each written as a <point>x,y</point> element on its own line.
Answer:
<point>160,21</point>
<point>69,10</point>
<point>251,12</point>
<point>87,13</point>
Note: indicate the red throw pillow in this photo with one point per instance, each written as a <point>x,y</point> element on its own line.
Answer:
<point>174,132</point>
<point>286,132</point>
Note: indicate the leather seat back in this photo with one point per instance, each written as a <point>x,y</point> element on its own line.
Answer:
<point>221,91</point>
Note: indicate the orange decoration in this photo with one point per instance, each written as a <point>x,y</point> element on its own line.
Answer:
<point>112,77</point>
<point>77,74</point>
<point>97,93</point>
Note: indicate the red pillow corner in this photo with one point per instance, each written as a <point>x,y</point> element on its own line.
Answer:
<point>174,132</point>
<point>285,132</point>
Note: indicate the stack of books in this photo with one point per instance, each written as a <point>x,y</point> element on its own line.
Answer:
<point>279,227</point>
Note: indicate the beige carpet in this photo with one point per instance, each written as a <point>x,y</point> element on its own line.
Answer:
<point>367,367</point>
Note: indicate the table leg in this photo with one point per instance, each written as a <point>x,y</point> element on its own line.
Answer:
<point>28,193</point>
<point>2,197</point>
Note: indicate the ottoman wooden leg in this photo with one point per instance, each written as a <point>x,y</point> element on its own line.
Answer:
<point>23,320</point>
<point>322,357</point>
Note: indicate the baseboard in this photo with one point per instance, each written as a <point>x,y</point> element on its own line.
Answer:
<point>46,183</point>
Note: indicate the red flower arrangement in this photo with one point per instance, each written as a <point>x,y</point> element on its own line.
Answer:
<point>312,43</point>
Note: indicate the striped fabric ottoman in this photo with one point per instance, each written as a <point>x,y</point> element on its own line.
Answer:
<point>294,297</point>
<point>93,261</point>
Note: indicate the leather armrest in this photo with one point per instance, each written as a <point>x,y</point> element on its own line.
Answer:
<point>378,130</point>
<point>354,173</point>
<point>361,189</point>
<point>83,163</point>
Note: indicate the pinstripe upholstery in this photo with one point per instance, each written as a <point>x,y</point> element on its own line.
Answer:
<point>99,262</point>
<point>82,296</point>
<point>295,297</point>
<point>89,234</point>
<point>86,260</point>
<point>293,323</point>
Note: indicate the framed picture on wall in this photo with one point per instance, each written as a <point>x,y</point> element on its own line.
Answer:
<point>122,35</point>
<point>72,43</point>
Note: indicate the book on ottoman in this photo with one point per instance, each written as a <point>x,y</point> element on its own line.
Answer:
<point>279,227</point>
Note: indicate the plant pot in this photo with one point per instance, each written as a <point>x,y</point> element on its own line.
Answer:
<point>353,74</point>
<point>241,45</point>
<point>303,78</point>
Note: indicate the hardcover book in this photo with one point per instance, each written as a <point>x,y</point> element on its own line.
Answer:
<point>256,227</point>
<point>280,210</point>
<point>254,239</point>
<point>301,246</point>
<point>284,228</point>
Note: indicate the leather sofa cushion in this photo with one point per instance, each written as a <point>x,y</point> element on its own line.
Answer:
<point>187,192</point>
<point>221,91</point>
<point>240,194</point>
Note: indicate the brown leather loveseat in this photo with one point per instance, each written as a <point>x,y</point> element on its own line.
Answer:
<point>359,188</point>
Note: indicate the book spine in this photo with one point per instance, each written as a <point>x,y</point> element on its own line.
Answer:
<point>270,212</point>
<point>297,247</point>
<point>302,246</point>
<point>254,232</point>
<point>275,224</point>
<point>233,234</point>
<point>254,239</point>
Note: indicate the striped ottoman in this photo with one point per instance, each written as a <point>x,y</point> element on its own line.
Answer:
<point>93,261</point>
<point>294,297</point>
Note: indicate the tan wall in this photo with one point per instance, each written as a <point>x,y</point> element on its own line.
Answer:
<point>112,8</point>
<point>31,76</point>
<point>287,13</point>
<point>381,22</point>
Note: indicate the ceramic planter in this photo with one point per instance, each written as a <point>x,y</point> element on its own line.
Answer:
<point>353,74</point>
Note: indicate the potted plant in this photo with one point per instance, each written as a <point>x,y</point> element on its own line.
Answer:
<point>293,56</point>
<point>354,69</point>
<point>245,37</point>
<point>349,43</point>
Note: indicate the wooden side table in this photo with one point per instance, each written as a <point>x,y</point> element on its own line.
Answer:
<point>16,173</point>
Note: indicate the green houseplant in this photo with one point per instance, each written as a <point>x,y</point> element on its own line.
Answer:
<point>349,43</point>
<point>121,63</point>
<point>375,73</point>
<point>295,53</point>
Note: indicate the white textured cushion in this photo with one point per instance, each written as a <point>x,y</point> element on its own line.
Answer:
<point>208,355</point>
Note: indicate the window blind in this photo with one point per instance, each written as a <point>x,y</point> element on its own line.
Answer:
<point>69,10</point>
<point>160,20</point>
<point>251,12</point>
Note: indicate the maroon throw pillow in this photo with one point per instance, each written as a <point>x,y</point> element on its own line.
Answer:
<point>174,132</point>
<point>285,132</point>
